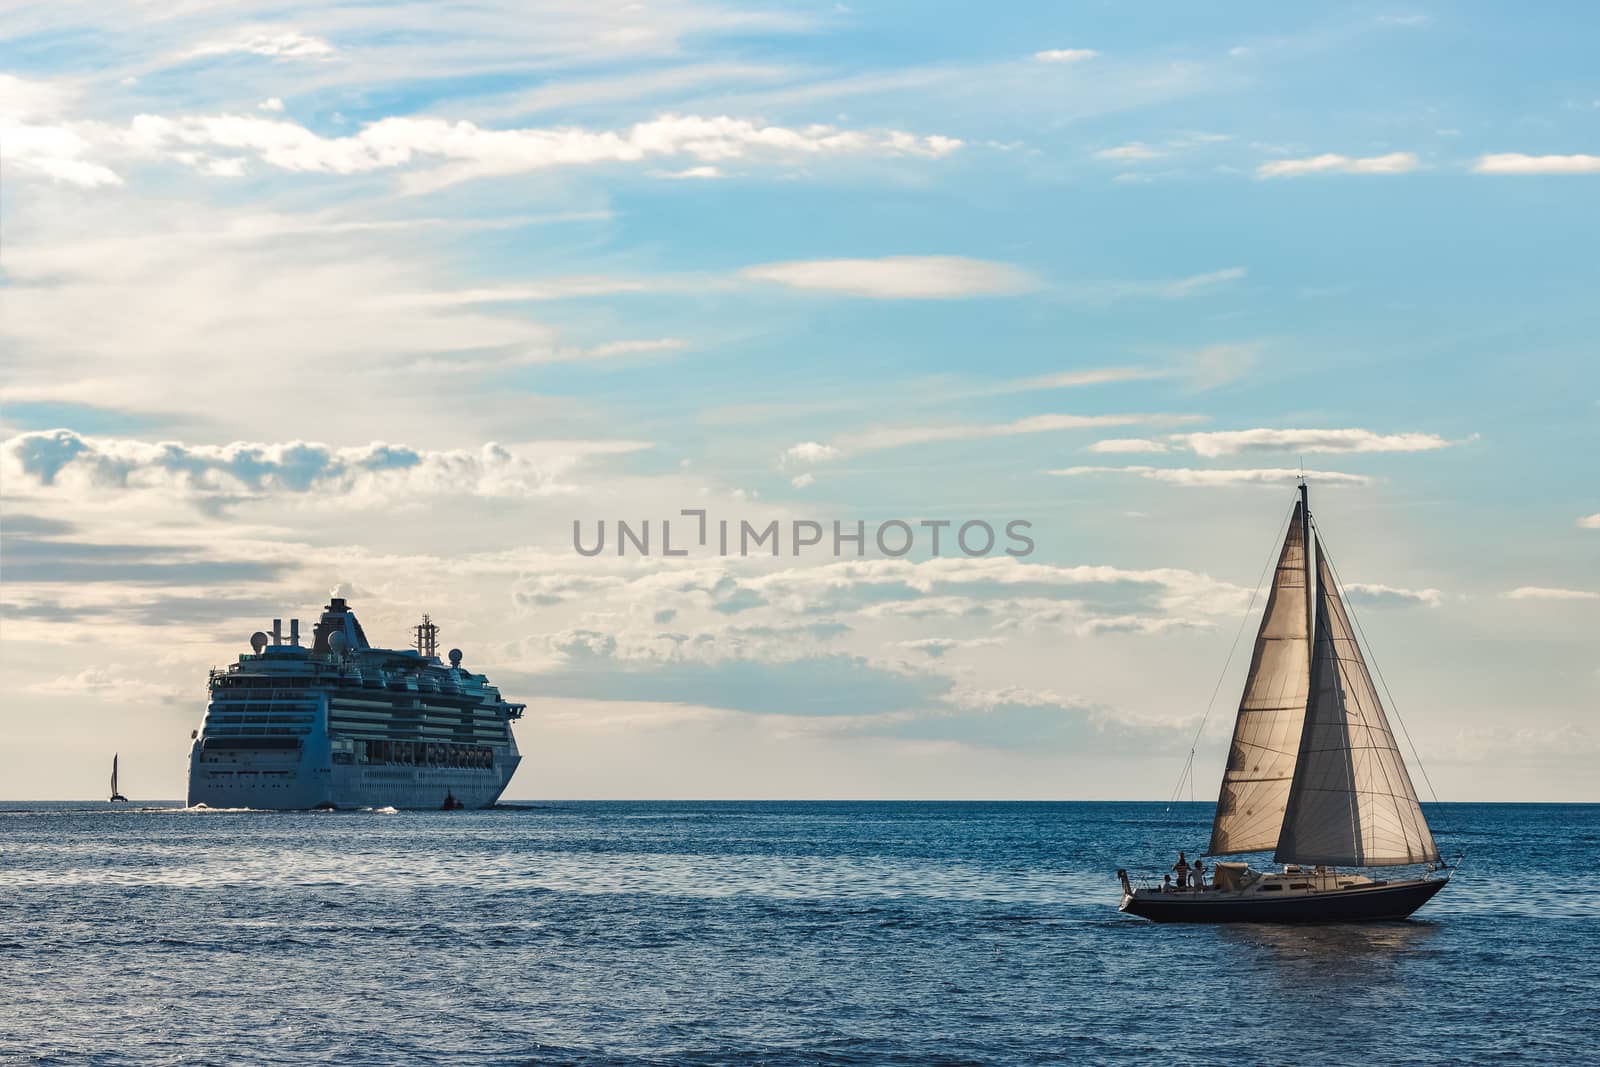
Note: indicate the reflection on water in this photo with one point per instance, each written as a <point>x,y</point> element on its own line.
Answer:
<point>1333,953</point>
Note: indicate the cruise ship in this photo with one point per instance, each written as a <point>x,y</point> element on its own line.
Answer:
<point>341,724</point>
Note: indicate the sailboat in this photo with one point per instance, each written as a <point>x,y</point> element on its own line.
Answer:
<point>115,796</point>
<point>1313,774</point>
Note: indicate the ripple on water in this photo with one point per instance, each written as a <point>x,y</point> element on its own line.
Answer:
<point>753,933</point>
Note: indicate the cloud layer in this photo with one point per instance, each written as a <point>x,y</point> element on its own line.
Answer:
<point>1235,442</point>
<point>453,151</point>
<point>64,460</point>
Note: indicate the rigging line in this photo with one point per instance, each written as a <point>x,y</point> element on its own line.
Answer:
<point>1381,681</point>
<point>1188,765</point>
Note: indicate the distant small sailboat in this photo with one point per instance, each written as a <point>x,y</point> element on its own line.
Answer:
<point>115,796</point>
<point>1314,774</point>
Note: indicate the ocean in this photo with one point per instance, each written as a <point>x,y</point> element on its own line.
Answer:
<point>635,933</point>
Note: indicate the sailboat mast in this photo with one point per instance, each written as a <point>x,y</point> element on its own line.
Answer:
<point>1311,575</point>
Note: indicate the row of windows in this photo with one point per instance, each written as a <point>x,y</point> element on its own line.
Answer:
<point>224,717</point>
<point>253,731</point>
<point>420,754</point>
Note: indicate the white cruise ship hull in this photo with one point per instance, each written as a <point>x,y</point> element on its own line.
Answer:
<point>290,780</point>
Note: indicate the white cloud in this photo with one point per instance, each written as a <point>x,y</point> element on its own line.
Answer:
<point>1128,444</point>
<point>1234,442</point>
<point>1539,592</point>
<point>1065,55</point>
<point>26,98</point>
<point>811,452</point>
<point>1389,594</point>
<point>800,481</point>
<point>1128,153</point>
<point>1517,163</point>
<point>55,152</point>
<point>1210,478</point>
<point>271,103</point>
<point>688,172</point>
<point>900,436</point>
<point>899,277</point>
<point>1330,163</point>
<point>1212,444</point>
<point>1590,522</point>
<point>469,151</point>
<point>32,142</point>
<point>284,44</point>
<point>48,461</point>
<point>116,681</point>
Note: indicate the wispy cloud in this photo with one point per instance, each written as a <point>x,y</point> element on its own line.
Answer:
<point>1330,163</point>
<point>1128,153</point>
<point>453,152</point>
<point>1212,444</point>
<point>1065,55</point>
<point>705,171</point>
<point>1161,289</point>
<point>899,277</point>
<point>283,44</point>
<point>1212,478</point>
<point>1074,379</point>
<point>1374,593</point>
<point>31,140</point>
<point>1517,163</point>
<point>1590,522</point>
<point>899,436</point>
<point>1539,592</point>
<point>1128,444</point>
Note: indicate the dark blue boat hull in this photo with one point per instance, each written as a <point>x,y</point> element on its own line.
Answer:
<point>1368,903</point>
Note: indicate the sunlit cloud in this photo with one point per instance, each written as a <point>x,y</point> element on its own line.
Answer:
<point>1541,592</point>
<point>1330,163</point>
<point>1517,163</point>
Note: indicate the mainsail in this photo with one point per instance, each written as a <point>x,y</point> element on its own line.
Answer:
<point>113,775</point>
<point>1351,802</point>
<point>1266,736</point>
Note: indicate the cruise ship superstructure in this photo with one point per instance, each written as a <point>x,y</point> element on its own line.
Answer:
<point>342,724</point>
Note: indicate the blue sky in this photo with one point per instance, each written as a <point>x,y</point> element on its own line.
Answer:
<point>383,298</point>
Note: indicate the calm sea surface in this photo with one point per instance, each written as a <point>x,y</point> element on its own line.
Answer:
<point>755,933</point>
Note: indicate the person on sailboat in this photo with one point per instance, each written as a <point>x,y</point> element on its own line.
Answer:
<point>1182,867</point>
<point>1199,874</point>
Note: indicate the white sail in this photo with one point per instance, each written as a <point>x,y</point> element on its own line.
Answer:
<point>1266,735</point>
<point>1352,802</point>
<point>113,775</point>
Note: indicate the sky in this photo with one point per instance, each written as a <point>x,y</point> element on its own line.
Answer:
<point>381,300</point>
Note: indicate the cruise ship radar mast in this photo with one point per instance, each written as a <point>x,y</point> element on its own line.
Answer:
<point>427,638</point>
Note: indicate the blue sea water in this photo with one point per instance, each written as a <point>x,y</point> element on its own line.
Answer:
<point>755,933</point>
